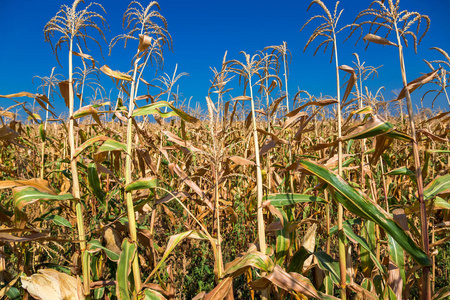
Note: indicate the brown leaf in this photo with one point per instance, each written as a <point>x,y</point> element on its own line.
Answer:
<point>39,184</point>
<point>350,82</point>
<point>221,290</point>
<point>241,161</point>
<point>179,141</point>
<point>144,42</point>
<point>378,40</point>
<point>49,284</point>
<point>185,178</point>
<point>309,243</point>
<point>17,95</point>
<point>64,90</point>
<point>395,280</point>
<point>416,83</point>
<point>291,282</point>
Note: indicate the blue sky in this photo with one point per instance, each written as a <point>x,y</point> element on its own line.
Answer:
<point>203,30</point>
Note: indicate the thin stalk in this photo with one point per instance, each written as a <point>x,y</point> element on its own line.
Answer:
<point>128,179</point>
<point>260,216</point>
<point>426,287</point>
<point>76,184</point>
<point>82,85</point>
<point>45,127</point>
<point>342,252</point>
<point>285,75</point>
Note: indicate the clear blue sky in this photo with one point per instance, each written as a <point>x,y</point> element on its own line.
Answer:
<point>203,30</point>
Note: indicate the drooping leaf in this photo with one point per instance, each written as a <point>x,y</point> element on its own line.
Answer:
<point>94,246</point>
<point>327,263</point>
<point>416,83</point>
<point>221,290</point>
<point>88,110</point>
<point>143,183</point>
<point>378,40</point>
<point>442,294</point>
<point>356,203</point>
<point>253,259</point>
<point>241,161</point>
<point>152,295</point>
<point>64,90</point>
<point>375,126</point>
<point>115,74</point>
<point>90,142</point>
<point>291,282</point>
<point>39,184</point>
<point>112,145</point>
<point>439,185</point>
<point>438,203</point>
<point>85,56</point>
<point>27,195</point>
<point>350,82</point>
<point>154,108</point>
<point>174,240</point>
<point>18,95</point>
<point>363,243</point>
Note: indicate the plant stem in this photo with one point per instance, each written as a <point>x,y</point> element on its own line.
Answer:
<point>128,179</point>
<point>342,252</point>
<point>260,216</point>
<point>426,287</point>
<point>75,182</point>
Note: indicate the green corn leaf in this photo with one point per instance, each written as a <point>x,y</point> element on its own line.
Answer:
<point>88,110</point>
<point>282,241</point>
<point>278,200</point>
<point>363,243</point>
<point>25,195</point>
<point>142,184</point>
<point>95,245</point>
<point>112,145</point>
<point>375,126</point>
<point>349,222</point>
<point>90,142</point>
<point>353,201</point>
<point>151,295</point>
<point>124,268</point>
<point>94,182</point>
<point>174,240</point>
<point>58,220</point>
<point>438,203</point>
<point>327,263</point>
<point>42,134</point>
<point>402,171</point>
<point>368,233</point>
<point>298,259</point>
<point>397,256</point>
<point>440,185</point>
<point>253,259</point>
<point>154,109</point>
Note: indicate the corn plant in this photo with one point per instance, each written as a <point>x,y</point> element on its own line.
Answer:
<point>389,16</point>
<point>72,24</point>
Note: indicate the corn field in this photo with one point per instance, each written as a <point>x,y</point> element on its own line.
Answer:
<point>263,195</point>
